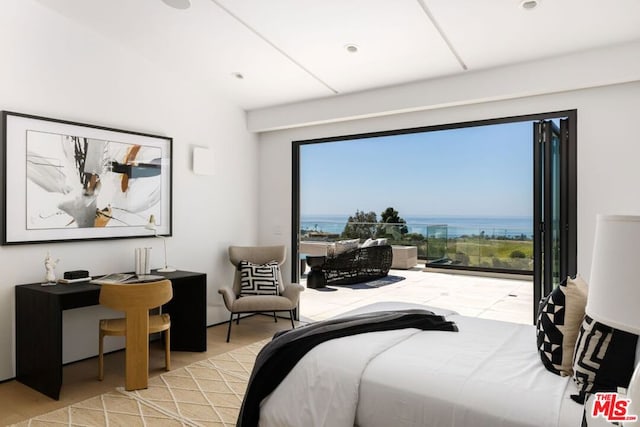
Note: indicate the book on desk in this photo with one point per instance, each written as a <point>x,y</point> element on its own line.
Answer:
<point>79,280</point>
<point>75,276</point>
<point>125,278</point>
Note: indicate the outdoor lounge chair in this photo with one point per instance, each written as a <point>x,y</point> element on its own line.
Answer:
<point>358,265</point>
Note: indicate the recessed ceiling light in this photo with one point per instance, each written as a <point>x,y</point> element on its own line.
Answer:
<point>351,48</point>
<point>178,4</point>
<point>237,75</point>
<point>529,4</point>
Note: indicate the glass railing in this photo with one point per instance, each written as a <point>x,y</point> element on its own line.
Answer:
<point>474,246</point>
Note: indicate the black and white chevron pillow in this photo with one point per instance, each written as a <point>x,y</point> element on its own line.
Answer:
<point>559,318</point>
<point>604,358</point>
<point>259,279</point>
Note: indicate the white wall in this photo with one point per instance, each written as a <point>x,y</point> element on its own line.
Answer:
<point>55,68</point>
<point>592,68</point>
<point>607,143</point>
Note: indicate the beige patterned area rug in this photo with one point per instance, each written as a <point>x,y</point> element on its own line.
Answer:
<point>205,393</point>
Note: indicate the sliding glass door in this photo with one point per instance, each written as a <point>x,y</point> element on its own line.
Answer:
<point>479,170</point>
<point>554,204</point>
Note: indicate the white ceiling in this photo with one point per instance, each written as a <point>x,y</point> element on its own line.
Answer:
<point>294,50</point>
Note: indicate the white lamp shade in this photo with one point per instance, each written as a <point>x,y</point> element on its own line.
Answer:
<point>614,284</point>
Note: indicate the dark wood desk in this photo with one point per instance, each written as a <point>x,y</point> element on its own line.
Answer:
<point>39,324</point>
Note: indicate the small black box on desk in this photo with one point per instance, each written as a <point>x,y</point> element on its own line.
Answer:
<point>76,274</point>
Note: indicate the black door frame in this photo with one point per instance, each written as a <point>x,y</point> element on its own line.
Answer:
<point>568,170</point>
<point>542,182</point>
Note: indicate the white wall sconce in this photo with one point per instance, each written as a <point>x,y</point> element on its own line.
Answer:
<point>203,161</point>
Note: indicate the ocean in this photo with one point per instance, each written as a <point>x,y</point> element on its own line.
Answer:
<point>500,226</point>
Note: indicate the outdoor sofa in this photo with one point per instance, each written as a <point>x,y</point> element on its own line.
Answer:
<point>357,265</point>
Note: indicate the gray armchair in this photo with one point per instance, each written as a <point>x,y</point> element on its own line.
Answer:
<point>289,292</point>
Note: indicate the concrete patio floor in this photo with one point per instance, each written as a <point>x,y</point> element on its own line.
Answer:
<point>477,296</point>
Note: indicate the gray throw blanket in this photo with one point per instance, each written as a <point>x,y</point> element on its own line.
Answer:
<point>278,357</point>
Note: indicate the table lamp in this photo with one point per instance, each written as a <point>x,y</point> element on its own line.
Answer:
<point>151,225</point>
<point>614,284</point>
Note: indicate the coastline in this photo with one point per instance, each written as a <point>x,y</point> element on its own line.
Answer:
<point>456,225</point>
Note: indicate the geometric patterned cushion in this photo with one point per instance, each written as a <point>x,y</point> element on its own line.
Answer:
<point>259,279</point>
<point>559,317</point>
<point>604,358</point>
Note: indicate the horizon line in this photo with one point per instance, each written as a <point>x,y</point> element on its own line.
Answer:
<point>429,215</point>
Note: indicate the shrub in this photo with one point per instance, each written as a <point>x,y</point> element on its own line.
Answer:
<point>517,254</point>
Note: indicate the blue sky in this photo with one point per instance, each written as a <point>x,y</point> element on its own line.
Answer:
<point>478,171</point>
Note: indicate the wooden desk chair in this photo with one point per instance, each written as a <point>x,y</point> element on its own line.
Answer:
<point>135,299</point>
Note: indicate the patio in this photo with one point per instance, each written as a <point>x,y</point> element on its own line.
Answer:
<point>478,296</point>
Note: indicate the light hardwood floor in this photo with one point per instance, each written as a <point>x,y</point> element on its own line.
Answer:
<point>19,402</point>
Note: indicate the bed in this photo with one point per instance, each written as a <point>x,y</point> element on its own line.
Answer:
<point>488,374</point>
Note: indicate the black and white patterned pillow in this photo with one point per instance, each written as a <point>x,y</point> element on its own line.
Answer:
<point>259,279</point>
<point>559,317</point>
<point>604,358</point>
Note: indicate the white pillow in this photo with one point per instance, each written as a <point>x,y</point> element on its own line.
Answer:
<point>346,245</point>
<point>382,242</point>
<point>370,242</point>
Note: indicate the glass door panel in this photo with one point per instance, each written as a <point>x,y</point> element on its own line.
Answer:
<point>551,217</point>
<point>554,207</point>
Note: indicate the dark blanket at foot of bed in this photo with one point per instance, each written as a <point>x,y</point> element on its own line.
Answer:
<point>278,357</point>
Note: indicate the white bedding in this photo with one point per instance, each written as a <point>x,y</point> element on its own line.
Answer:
<point>487,374</point>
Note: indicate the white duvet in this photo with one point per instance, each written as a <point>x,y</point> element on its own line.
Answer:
<point>486,375</point>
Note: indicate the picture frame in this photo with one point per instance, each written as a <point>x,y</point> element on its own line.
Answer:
<point>67,181</point>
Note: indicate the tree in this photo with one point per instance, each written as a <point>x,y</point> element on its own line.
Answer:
<point>390,216</point>
<point>362,225</point>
